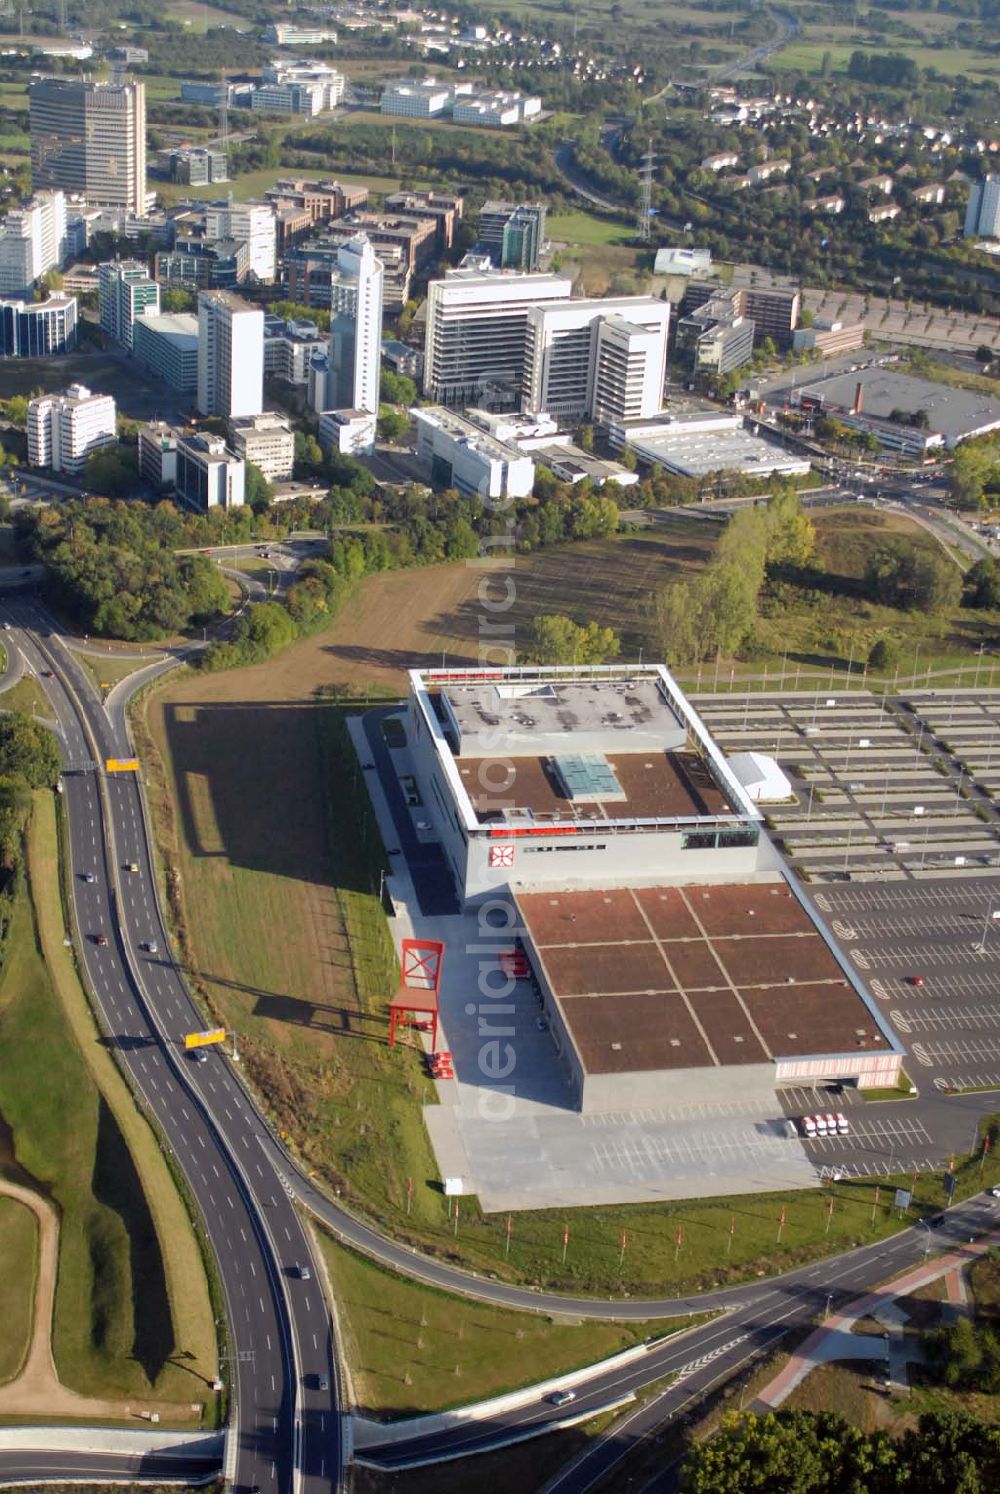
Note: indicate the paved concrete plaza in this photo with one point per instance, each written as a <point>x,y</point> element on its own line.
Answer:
<point>516,1139</point>
<point>884,787</point>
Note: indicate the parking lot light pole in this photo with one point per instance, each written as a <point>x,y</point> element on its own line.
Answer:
<point>927,1242</point>
<point>991,913</point>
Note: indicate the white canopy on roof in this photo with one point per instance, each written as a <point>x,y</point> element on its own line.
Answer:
<point>761,777</point>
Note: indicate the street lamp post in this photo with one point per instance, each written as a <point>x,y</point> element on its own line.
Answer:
<point>991,913</point>
<point>927,1242</point>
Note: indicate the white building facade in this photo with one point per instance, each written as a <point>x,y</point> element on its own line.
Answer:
<point>477,327</point>
<point>32,242</point>
<point>268,441</point>
<point>250,223</point>
<point>230,356</point>
<point>125,291</point>
<point>355,328</point>
<point>64,430</point>
<point>459,453</point>
<point>592,354</point>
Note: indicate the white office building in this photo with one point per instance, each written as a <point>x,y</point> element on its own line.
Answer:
<point>477,331</point>
<point>268,441</point>
<point>495,111</point>
<point>209,475</point>
<point>596,357</point>
<point>355,328</point>
<point>420,98</point>
<point>125,292</point>
<point>230,356</point>
<point>982,216</point>
<point>289,347</point>
<point>65,429</point>
<point>168,346</point>
<point>349,432</point>
<point>630,368</point>
<point>250,223</point>
<point>32,242</point>
<point>459,453</point>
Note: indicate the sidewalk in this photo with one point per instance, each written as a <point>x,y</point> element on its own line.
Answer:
<point>834,1339</point>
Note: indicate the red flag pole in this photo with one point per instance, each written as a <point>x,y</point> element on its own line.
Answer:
<point>565,1242</point>
<point>829,1213</point>
<point>456,1217</point>
<point>875,1204</point>
<point>678,1241</point>
<point>781,1223</point>
<point>409,1193</point>
<point>732,1231</point>
<point>621,1257</point>
<point>506,1248</point>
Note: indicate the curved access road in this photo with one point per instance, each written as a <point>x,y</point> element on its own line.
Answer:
<point>695,1360</point>
<point>280,1361</point>
<point>756,1313</point>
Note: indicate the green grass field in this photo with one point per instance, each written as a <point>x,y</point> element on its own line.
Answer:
<point>107,671</point>
<point>580,228</point>
<point>25,696</point>
<point>19,1254</point>
<point>412,1350</point>
<point>125,1242</point>
<point>313,1000</point>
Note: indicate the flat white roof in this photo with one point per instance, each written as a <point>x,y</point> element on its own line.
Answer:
<point>697,453</point>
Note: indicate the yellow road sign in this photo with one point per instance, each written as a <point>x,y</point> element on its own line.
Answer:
<point>204,1039</point>
<point>122,765</point>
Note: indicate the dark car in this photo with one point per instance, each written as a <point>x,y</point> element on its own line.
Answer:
<point>48,674</point>
<point>101,940</point>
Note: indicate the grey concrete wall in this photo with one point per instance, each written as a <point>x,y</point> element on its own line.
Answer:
<point>652,1088</point>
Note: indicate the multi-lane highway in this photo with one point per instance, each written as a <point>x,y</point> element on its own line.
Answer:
<point>280,1361</point>
<point>280,1354</point>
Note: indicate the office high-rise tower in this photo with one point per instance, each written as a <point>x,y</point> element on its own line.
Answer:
<point>982,215</point>
<point>125,291</point>
<point>90,138</point>
<point>355,328</point>
<point>230,356</point>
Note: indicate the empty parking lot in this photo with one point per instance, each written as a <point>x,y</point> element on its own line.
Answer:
<point>884,788</point>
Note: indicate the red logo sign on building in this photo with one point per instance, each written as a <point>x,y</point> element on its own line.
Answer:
<point>501,855</point>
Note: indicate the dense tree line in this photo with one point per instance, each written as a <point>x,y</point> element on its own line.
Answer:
<point>715,612</point>
<point>29,759</point>
<point>112,568</point>
<point>807,1452</point>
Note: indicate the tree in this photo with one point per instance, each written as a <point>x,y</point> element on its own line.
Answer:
<point>676,629</point>
<point>555,639</point>
<point>28,751</point>
<point>902,574</point>
<point>16,410</point>
<point>392,424</point>
<point>970,471</point>
<point>791,535</point>
<point>982,584</point>
<point>173,299</point>
<point>396,389</point>
<point>113,471</point>
<point>258,492</point>
<point>883,656</point>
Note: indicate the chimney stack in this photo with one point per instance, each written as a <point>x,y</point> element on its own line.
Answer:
<point>859,398</point>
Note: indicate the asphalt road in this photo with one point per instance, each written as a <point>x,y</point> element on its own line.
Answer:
<point>244,1181</point>
<point>69,1467</point>
<point>287,1430</point>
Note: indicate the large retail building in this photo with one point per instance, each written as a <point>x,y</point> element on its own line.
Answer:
<point>589,810</point>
